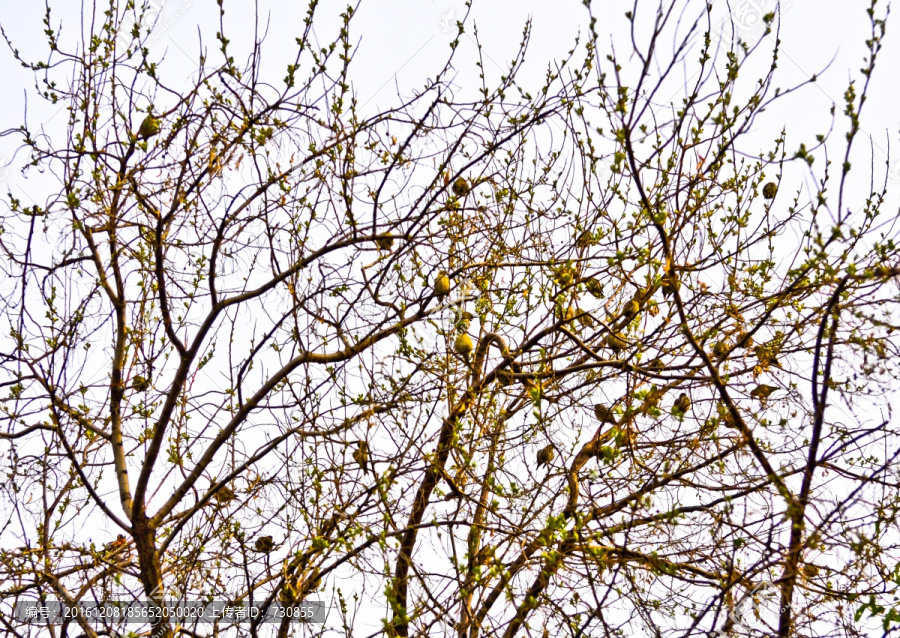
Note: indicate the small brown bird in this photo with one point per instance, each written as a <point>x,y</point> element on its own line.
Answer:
<point>770,190</point>
<point>149,127</point>
<point>361,456</point>
<point>224,495</point>
<point>762,391</point>
<point>595,288</point>
<point>441,284</point>
<point>604,414</point>
<point>460,187</point>
<point>384,243</point>
<point>264,544</point>
<point>744,340</point>
<point>463,345</point>
<point>140,384</point>
<point>545,455</point>
<point>682,404</point>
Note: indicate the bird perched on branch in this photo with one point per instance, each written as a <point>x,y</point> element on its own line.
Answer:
<point>361,456</point>
<point>140,384</point>
<point>668,289</point>
<point>264,544</point>
<point>384,243</point>
<point>615,342</point>
<point>762,391</point>
<point>595,288</point>
<point>725,416</point>
<point>766,355</point>
<point>441,284</point>
<point>744,340</point>
<point>604,414</point>
<point>630,309</point>
<point>460,187</point>
<point>311,582</point>
<point>720,349</point>
<point>770,190</point>
<point>224,495</point>
<point>149,127</point>
<point>463,345</point>
<point>116,546</point>
<point>682,404</point>
<point>545,455</point>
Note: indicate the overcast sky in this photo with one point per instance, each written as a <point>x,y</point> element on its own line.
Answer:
<point>401,43</point>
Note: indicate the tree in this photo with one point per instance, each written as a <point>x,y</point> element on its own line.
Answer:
<point>225,344</point>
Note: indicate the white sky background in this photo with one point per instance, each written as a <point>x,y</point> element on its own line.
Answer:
<point>402,43</point>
